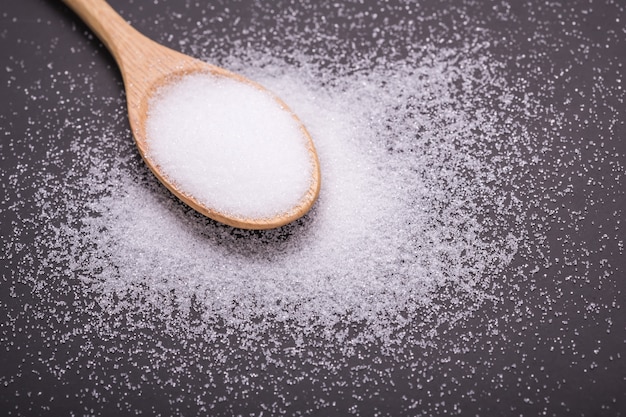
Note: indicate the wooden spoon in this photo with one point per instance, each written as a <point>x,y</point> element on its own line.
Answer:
<point>145,66</point>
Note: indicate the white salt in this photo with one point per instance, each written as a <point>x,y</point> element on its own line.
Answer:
<point>230,145</point>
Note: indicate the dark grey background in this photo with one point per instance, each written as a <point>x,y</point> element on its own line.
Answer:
<point>569,364</point>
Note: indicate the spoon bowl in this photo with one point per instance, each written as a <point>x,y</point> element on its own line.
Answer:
<point>147,66</point>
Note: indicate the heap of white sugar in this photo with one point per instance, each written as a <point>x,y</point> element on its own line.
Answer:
<point>230,145</point>
<point>400,214</point>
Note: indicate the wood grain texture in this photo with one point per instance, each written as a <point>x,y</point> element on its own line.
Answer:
<point>145,66</point>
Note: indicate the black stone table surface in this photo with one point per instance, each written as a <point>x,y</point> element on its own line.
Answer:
<point>550,341</point>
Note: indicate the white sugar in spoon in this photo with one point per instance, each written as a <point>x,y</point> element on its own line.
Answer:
<point>152,73</point>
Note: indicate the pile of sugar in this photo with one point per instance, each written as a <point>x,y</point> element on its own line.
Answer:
<point>463,257</point>
<point>231,146</point>
<point>397,220</point>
